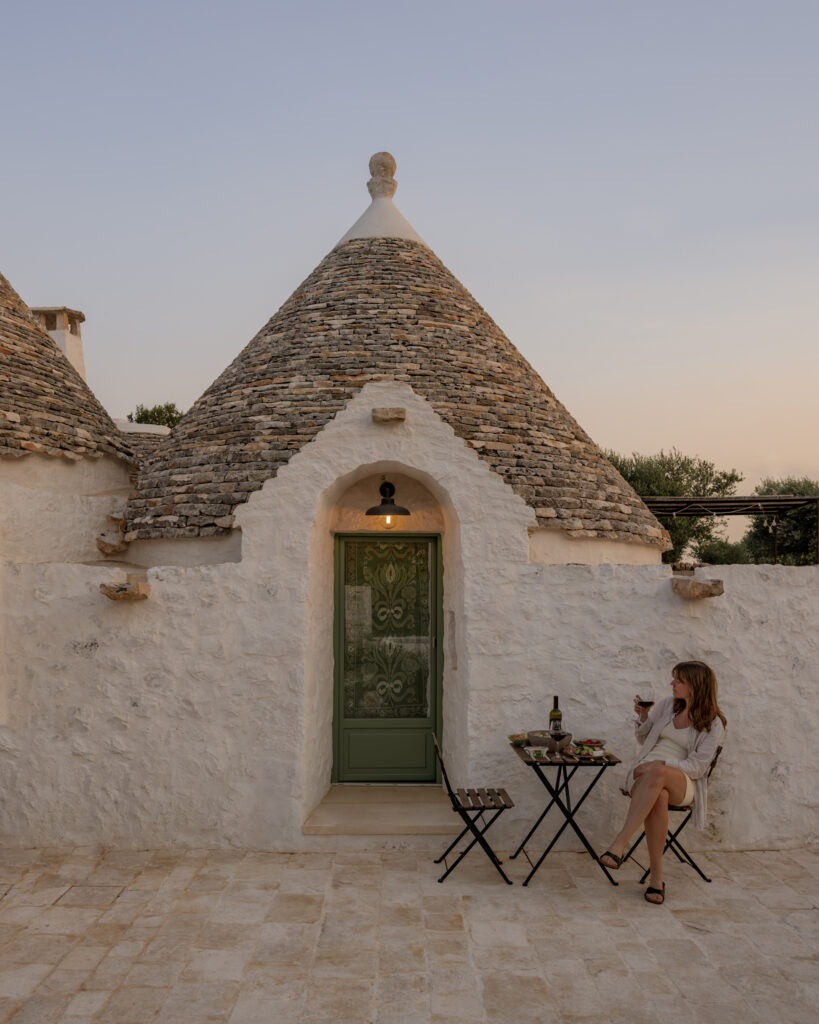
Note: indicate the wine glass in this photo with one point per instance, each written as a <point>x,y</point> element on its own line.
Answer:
<point>646,704</point>
<point>556,736</point>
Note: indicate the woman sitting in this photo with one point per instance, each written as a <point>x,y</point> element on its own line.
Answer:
<point>680,736</point>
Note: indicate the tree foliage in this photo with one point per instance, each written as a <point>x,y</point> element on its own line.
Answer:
<point>719,551</point>
<point>166,414</point>
<point>672,474</point>
<point>796,531</point>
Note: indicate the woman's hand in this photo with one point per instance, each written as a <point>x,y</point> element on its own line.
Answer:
<point>641,713</point>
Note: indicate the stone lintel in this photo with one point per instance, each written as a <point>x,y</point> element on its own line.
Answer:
<point>389,414</point>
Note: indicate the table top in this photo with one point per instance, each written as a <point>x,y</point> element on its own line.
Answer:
<point>605,761</point>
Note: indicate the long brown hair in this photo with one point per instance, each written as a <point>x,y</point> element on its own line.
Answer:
<point>703,707</point>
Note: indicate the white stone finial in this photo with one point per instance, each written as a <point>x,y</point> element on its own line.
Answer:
<point>382,169</point>
<point>381,219</point>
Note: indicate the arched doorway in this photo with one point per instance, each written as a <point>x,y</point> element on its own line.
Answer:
<point>388,634</point>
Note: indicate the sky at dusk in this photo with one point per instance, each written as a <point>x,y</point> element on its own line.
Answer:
<point>630,189</point>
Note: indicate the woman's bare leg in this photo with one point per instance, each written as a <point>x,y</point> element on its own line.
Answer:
<point>656,826</point>
<point>654,780</point>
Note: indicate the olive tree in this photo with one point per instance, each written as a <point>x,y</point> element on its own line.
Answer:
<point>672,474</point>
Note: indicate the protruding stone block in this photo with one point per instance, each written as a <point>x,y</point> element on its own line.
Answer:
<point>389,414</point>
<point>130,586</point>
<point>687,586</point>
<point>112,543</point>
<point>128,591</point>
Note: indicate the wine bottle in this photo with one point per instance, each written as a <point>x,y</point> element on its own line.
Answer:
<point>555,718</point>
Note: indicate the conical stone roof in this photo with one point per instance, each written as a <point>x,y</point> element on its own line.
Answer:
<point>382,308</point>
<point>45,405</point>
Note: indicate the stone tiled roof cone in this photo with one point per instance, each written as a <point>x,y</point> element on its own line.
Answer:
<point>45,405</point>
<point>382,306</point>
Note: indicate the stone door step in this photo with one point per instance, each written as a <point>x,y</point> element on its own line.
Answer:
<point>382,810</point>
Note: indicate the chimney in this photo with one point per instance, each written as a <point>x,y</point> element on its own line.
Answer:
<point>63,325</point>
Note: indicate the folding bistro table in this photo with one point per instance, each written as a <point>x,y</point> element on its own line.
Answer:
<point>567,765</point>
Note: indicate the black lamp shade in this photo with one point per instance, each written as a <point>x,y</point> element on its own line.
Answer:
<point>387,506</point>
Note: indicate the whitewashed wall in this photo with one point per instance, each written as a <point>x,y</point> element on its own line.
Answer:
<point>52,511</point>
<point>598,635</point>
<point>203,716</point>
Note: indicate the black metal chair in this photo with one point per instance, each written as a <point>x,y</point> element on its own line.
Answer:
<point>471,805</point>
<point>672,841</point>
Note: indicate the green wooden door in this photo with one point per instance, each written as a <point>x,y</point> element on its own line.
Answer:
<point>387,658</point>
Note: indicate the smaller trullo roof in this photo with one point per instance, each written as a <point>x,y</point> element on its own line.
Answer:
<point>381,306</point>
<point>45,405</point>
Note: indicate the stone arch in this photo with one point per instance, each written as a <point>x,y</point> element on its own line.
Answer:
<point>341,508</point>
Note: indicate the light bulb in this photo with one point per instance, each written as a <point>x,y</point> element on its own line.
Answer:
<point>389,520</point>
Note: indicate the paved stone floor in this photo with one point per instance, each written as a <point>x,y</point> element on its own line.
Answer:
<point>253,938</point>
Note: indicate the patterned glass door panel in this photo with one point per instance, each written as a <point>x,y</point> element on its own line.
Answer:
<point>387,630</point>
<point>389,668</point>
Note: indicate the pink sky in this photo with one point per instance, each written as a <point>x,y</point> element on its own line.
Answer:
<point>629,189</point>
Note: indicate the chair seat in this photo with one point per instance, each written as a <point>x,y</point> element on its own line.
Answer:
<point>484,799</point>
<point>478,809</point>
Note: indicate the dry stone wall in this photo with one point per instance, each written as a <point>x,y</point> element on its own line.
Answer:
<point>45,405</point>
<point>382,309</point>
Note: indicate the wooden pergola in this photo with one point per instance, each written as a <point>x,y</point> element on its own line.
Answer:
<point>733,505</point>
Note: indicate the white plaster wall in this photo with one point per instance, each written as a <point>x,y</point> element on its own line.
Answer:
<point>71,347</point>
<point>154,722</point>
<point>557,547</point>
<point>597,635</point>
<point>478,516</point>
<point>203,716</point>
<point>52,510</point>
<point>185,551</point>
<point>382,219</point>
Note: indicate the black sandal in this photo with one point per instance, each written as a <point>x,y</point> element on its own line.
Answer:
<point>655,892</point>
<point>617,860</point>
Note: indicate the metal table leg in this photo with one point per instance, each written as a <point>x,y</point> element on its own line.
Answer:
<point>569,815</point>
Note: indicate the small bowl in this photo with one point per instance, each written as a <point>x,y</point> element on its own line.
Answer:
<point>518,739</point>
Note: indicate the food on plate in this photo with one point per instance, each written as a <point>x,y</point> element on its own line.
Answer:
<point>590,747</point>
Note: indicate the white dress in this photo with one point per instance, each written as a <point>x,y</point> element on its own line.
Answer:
<point>672,745</point>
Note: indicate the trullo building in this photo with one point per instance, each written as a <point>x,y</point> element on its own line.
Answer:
<point>205,632</point>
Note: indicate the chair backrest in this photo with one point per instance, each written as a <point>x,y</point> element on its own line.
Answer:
<point>713,764</point>
<point>444,775</point>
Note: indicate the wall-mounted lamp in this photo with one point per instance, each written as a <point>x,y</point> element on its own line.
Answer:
<point>387,508</point>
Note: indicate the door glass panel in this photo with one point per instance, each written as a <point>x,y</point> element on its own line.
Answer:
<point>387,618</point>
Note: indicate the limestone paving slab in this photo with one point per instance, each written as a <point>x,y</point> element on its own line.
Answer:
<point>372,938</point>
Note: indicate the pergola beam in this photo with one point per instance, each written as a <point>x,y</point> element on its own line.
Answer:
<point>735,505</point>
